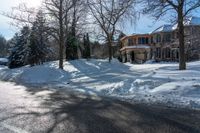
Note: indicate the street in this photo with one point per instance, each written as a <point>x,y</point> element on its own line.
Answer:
<point>47,110</point>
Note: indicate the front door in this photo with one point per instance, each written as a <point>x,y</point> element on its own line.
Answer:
<point>132,56</point>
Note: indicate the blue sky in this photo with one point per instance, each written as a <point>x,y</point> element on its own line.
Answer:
<point>145,24</point>
<point>6,6</point>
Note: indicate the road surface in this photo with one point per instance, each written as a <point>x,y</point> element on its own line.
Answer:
<point>43,110</point>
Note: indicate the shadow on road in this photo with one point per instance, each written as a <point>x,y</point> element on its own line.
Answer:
<point>73,112</point>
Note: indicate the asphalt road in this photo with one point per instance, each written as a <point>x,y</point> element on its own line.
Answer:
<point>39,110</point>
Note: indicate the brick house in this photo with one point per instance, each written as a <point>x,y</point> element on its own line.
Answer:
<point>136,48</point>
<point>162,44</point>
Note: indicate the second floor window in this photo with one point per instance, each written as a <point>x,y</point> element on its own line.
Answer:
<point>152,40</point>
<point>158,38</point>
<point>130,42</point>
<point>143,40</point>
<point>167,38</point>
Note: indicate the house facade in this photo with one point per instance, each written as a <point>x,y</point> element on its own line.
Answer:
<point>162,44</point>
<point>136,48</point>
<point>165,48</point>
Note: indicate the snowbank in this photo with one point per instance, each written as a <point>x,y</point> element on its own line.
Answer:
<point>34,75</point>
<point>3,61</point>
<point>40,74</point>
<point>150,83</point>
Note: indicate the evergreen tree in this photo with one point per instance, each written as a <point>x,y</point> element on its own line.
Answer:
<point>35,52</point>
<point>87,46</point>
<point>20,49</point>
<point>72,47</point>
<point>3,46</point>
<point>84,44</point>
<point>38,39</point>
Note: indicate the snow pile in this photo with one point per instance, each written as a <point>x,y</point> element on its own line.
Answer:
<point>44,74</point>
<point>151,82</point>
<point>163,28</point>
<point>5,60</point>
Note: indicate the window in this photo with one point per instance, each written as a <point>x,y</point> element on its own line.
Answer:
<point>143,40</point>
<point>151,39</point>
<point>130,42</point>
<point>158,52</point>
<point>173,35</point>
<point>167,37</point>
<point>158,38</point>
<point>147,40</point>
<point>139,40</point>
<point>167,53</point>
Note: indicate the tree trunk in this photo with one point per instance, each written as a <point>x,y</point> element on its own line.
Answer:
<point>61,47</point>
<point>182,60</point>
<point>61,36</point>
<point>110,48</point>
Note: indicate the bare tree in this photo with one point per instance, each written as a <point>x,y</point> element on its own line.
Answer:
<point>58,10</point>
<point>180,9</point>
<point>108,14</point>
<point>77,18</point>
<point>21,16</point>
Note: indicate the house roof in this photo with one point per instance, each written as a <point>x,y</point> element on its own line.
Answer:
<point>190,21</point>
<point>193,21</point>
<point>164,28</point>
<point>187,22</point>
<point>168,28</point>
<point>134,35</point>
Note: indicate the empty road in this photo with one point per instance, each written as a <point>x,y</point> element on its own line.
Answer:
<point>45,110</point>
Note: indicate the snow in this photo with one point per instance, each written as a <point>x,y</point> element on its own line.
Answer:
<point>34,75</point>
<point>159,83</point>
<point>136,47</point>
<point>43,75</point>
<point>190,21</point>
<point>163,28</point>
<point>168,28</point>
<point>194,20</point>
<point>5,60</point>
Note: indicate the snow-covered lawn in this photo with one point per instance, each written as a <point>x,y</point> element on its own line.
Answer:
<point>3,61</point>
<point>158,83</point>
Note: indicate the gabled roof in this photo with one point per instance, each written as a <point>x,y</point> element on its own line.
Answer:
<point>134,35</point>
<point>193,21</point>
<point>163,28</point>
<point>190,21</point>
<point>168,28</point>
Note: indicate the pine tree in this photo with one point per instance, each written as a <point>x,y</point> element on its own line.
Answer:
<point>38,39</point>
<point>20,50</point>
<point>35,53</point>
<point>3,46</point>
<point>87,47</point>
<point>72,47</point>
<point>84,44</point>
